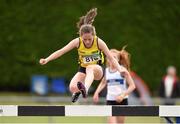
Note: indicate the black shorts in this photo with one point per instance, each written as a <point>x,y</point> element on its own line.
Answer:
<point>82,69</point>
<point>124,102</point>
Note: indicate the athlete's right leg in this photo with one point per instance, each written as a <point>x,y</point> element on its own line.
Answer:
<point>120,119</point>
<point>112,120</point>
<point>78,77</point>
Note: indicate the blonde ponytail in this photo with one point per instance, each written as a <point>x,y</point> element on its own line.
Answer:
<point>88,18</point>
<point>124,58</point>
<point>85,22</point>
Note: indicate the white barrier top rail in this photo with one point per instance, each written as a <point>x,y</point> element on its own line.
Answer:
<point>90,110</point>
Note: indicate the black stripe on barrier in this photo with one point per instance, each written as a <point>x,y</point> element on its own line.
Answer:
<point>135,111</point>
<point>41,110</point>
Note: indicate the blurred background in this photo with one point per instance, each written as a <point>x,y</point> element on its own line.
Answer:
<point>33,29</point>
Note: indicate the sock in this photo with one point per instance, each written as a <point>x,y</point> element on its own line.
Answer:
<point>87,88</point>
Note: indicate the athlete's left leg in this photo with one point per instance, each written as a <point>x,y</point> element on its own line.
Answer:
<point>93,72</point>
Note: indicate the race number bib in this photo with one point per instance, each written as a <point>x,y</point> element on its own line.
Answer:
<point>91,59</point>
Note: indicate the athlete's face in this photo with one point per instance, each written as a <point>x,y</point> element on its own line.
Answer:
<point>115,55</point>
<point>87,39</point>
<point>171,71</point>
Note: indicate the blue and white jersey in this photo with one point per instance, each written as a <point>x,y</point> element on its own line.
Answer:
<point>116,84</point>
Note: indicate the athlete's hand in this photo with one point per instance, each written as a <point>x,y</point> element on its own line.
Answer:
<point>96,98</point>
<point>120,98</point>
<point>43,61</point>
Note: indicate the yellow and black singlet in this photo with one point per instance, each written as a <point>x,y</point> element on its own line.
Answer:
<point>89,56</point>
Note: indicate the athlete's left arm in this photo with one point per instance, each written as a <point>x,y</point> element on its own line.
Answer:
<point>131,85</point>
<point>102,45</point>
<point>130,82</point>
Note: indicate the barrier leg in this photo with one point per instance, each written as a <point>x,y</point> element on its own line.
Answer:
<point>169,121</point>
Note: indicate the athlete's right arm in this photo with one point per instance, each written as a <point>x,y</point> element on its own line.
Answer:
<point>105,49</point>
<point>101,86</point>
<point>74,43</point>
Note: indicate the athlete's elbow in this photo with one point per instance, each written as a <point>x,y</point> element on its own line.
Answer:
<point>133,86</point>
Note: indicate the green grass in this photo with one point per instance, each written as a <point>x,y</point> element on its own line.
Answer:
<point>76,120</point>
<point>52,119</point>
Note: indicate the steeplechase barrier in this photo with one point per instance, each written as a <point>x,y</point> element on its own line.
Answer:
<point>90,110</point>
